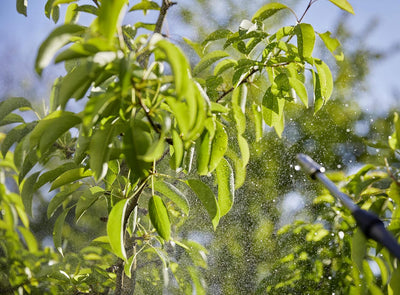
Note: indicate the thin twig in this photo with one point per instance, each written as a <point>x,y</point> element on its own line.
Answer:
<point>396,181</point>
<point>166,4</point>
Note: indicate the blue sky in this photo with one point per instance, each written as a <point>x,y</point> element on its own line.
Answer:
<point>26,34</point>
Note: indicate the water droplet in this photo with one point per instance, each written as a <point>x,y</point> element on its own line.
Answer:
<point>297,168</point>
<point>339,166</point>
<point>348,130</point>
<point>329,278</point>
<point>341,235</point>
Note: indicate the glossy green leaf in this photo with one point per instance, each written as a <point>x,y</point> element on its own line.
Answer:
<point>15,135</point>
<point>159,217</point>
<point>318,98</point>
<point>300,89</point>
<point>305,39</point>
<point>155,151</point>
<point>60,197</point>
<point>217,35</point>
<point>394,139</point>
<point>71,14</point>
<point>208,60</point>
<point>394,284</point>
<point>325,79</point>
<point>88,9</point>
<point>58,2</point>
<point>358,249</point>
<point>12,104</point>
<point>27,192</point>
<point>22,7</point>
<point>109,15</point>
<point>28,163</point>
<point>172,193</point>
<point>86,200</point>
<point>203,147</point>
<point>273,111</point>
<point>49,176</point>
<point>258,123</point>
<point>343,4</point>
<point>267,11</point>
<point>115,228</point>
<point>224,65</point>
<point>99,149</point>
<point>57,230</point>
<point>207,198</point>
<point>136,143</point>
<point>57,39</point>
<point>226,186</point>
<point>70,176</point>
<point>333,45</point>
<point>178,146</point>
<point>197,47</point>
<point>239,97</point>
<point>50,128</point>
<point>145,5</point>
<point>11,119</point>
<point>218,146</point>
<point>29,238</point>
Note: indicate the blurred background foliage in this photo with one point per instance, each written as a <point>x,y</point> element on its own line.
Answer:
<point>276,208</point>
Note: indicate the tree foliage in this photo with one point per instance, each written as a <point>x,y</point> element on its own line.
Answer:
<point>156,142</point>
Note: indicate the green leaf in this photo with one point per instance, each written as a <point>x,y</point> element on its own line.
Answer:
<point>204,147</point>
<point>207,198</point>
<point>394,139</point>
<point>99,149</point>
<point>50,128</point>
<point>179,150</point>
<point>318,99</point>
<point>22,6</point>
<point>343,4</point>
<point>172,193</point>
<point>273,111</point>
<point>60,197</point>
<point>305,39</point>
<point>116,230</point>
<point>218,146</point>
<point>325,79</point>
<point>224,65</point>
<point>11,104</point>
<point>29,238</point>
<point>88,9</point>
<point>216,35</point>
<point>57,39</point>
<point>197,47</point>
<point>394,284</point>
<point>300,89</point>
<point>27,192</point>
<point>49,176</point>
<point>71,14</point>
<point>208,60</point>
<point>11,118</point>
<point>333,45</point>
<point>267,11</point>
<point>70,176</point>
<point>109,15</point>
<point>86,200</point>
<point>58,2</point>
<point>258,124</point>
<point>55,14</point>
<point>226,186</point>
<point>57,230</point>
<point>136,143</point>
<point>15,135</point>
<point>145,5</point>
<point>159,217</point>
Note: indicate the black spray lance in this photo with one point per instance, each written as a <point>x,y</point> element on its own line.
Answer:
<point>369,223</point>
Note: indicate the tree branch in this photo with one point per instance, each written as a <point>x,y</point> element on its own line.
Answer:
<point>166,4</point>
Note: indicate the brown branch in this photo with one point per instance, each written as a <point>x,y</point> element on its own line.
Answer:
<point>166,4</point>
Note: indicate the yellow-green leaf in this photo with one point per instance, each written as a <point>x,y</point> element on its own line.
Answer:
<point>226,186</point>
<point>116,230</point>
<point>70,176</point>
<point>343,4</point>
<point>159,217</point>
<point>267,11</point>
<point>305,39</point>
